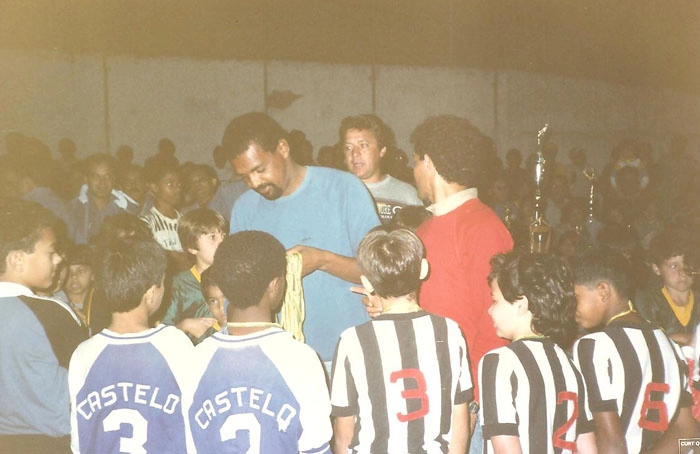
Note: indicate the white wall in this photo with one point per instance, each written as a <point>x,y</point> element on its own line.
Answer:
<point>188,101</point>
<point>664,112</point>
<point>52,95</point>
<point>407,95</point>
<point>328,94</point>
<point>580,113</point>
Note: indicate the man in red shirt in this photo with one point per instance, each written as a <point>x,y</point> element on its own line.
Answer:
<point>461,236</point>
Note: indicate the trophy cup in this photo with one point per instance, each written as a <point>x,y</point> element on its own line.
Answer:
<point>592,225</point>
<point>590,175</point>
<point>540,229</point>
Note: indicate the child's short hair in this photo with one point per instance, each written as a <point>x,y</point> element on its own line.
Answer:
<point>547,283</point>
<point>603,264</point>
<point>128,270</point>
<point>156,167</point>
<point>198,222</point>
<point>244,265</point>
<point>207,280</point>
<point>80,254</point>
<point>390,259</point>
<point>207,170</point>
<point>670,242</point>
<point>120,227</point>
<point>410,217</point>
<point>22,224</point>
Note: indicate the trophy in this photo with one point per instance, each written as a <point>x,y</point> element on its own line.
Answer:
<point>540,229</point>
<point>590,175</point>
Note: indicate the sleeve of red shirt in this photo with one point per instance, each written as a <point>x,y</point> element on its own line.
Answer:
<point>482,241</point>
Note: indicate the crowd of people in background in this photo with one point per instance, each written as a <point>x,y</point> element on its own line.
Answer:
<point>633,193</point>
<point>463,203</point>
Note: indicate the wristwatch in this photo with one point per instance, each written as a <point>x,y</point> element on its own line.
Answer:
<point>473,407</point>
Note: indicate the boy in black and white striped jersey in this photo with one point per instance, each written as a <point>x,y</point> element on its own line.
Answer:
<point>635,375</point>
<point>533,397</point>
<point>401,382</point>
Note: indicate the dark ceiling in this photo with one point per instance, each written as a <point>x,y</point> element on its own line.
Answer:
<point>638,42</point>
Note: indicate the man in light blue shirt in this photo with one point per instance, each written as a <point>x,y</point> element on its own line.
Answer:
<point>321,213</point>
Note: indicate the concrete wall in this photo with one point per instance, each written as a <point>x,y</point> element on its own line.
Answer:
<point>103,103</point>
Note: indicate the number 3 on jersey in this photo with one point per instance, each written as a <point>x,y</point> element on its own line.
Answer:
<point>415,392</point>
<point>242,422</point>
<point>139,425</point>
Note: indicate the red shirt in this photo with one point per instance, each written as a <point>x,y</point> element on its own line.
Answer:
<point>459,246</point>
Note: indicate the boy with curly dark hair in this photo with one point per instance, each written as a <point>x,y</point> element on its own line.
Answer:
<point>533,397</point>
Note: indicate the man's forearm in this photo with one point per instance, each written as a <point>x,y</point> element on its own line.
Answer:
<point>341,267</point>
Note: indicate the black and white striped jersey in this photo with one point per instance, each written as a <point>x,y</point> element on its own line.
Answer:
<point>532,390</point>
<point>637,372</point>
<point>400,375</point>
